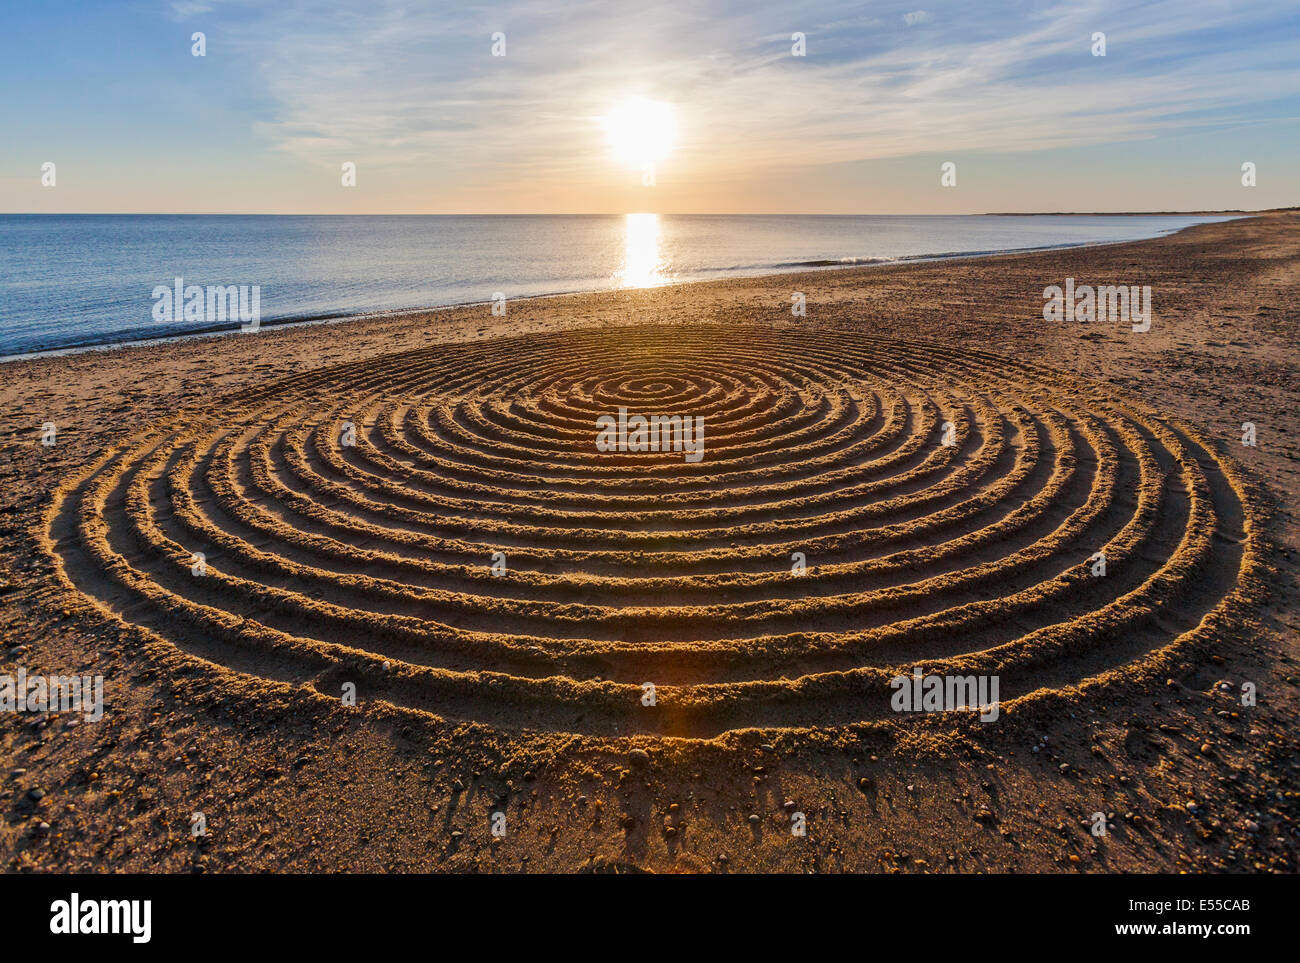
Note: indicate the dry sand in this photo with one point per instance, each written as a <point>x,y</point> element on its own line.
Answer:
<point>521,693</point>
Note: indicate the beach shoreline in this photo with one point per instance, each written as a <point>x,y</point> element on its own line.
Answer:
<point>772,270</point>
<point>383,789</point>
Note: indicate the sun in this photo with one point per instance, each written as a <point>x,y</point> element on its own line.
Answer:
<point>640,131</point>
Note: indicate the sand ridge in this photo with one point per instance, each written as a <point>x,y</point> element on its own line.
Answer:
<point>1070,436</point>
<point>369,562</point>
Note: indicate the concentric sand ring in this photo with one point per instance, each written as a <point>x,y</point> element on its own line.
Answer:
<point>372,562</point>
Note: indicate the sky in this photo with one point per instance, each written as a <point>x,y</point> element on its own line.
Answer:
<point>1010,93</point>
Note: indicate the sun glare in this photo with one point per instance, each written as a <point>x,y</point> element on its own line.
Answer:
<point>642,267</point>
<point>640,131</point>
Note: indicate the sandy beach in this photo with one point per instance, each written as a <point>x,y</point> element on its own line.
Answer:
<point>522,692</point>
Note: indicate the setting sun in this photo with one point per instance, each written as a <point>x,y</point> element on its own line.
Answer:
<point>640,131</point>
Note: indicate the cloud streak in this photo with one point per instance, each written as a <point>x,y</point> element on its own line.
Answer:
<point>412,94</point>
<point>393,85</point>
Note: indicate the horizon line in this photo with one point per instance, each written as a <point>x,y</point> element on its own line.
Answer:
<point>1130,213</point>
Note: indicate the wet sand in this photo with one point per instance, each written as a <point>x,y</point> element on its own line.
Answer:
<point>520,693</point>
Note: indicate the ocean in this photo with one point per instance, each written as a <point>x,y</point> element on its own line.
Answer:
<point>69,281</point>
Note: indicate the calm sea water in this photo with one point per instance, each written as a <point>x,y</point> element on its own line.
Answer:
<point>79,280</point>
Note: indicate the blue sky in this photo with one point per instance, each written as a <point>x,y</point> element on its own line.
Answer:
<point>1008,91</point>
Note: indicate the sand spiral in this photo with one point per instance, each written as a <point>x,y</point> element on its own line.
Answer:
<point>371,562</point>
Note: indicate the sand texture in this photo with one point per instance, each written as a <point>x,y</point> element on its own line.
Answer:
<point>920,473</point>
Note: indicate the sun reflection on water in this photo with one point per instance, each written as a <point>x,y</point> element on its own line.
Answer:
<point>641,265</point>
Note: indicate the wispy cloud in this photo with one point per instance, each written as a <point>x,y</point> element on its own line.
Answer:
<point>185,9</point>
<point>397,86</point>
<point>410,92</point>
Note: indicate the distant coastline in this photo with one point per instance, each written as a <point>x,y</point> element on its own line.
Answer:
<point>1239,212</point>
